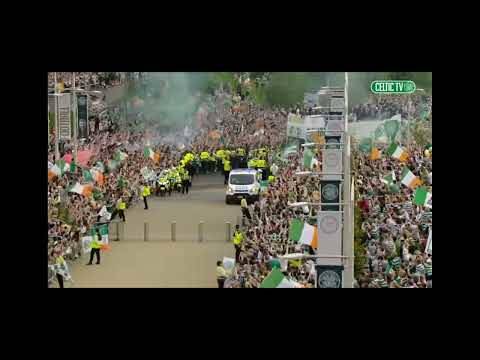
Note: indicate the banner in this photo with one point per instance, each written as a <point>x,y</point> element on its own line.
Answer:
<point>330,192</point>
<point>428,248</point>
<point>52,108</point>
<point>64,117</point>
<point>82,114</point>
<point>329,139</point>
<point>295,126</point>
<point>329,237</point>
<point>332,163</point>
<point>315,122</point>
<point>329,276</point>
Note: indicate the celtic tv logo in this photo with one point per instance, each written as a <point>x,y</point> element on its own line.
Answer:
<point>393,87</point>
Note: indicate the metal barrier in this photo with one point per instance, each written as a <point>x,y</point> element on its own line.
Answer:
<point>200,231</point>
<point>228,231</point>
<point>174,230</point>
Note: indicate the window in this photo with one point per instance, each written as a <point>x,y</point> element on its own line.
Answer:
<point>242,179</point>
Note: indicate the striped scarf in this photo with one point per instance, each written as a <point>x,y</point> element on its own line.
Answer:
<point>396,262</point>
<point>428,269</point>
<point>420,269</point>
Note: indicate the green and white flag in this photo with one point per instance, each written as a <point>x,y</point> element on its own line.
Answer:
<point>422,197</point>
<point>87,176</point>
<point>64,167</point>
<point>120,156</point>
<point>73,167</point>
<point>389,179</point>
<point>276,280</point>
<point>104,233</point>
<point>112,165</point>
<point>392,126</point>
<point>287,150</point>
<point>365,145</point>
<point>309,160</point>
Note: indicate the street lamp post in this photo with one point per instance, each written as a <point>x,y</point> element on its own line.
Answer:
<point>348,242</point>
<point>57,150</point>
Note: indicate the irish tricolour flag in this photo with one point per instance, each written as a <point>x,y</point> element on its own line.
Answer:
<point>277,280</point>
<point>303,233</point>
<point>410,180</point>
<point>397,152</point>
<point>53,172</point>
<point>148,152</point>
<point>85,190</point>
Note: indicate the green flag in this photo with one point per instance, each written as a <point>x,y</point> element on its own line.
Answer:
<point>87,175</point>
<point>295,231</point>
<point>73,167</point>
<point>97,194</point>
<point>394,188</point>
<point>391,129</point>
<point>121,182</point>
<point>309,159</point>
<point>379,132</point>
<point>112,165</point>
<point>365,145</point>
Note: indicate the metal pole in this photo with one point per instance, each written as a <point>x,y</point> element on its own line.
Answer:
<point>121,234</point>
<point>145,231</point>
<point>117,228</point>
<point>75,122</point>
<point>200,231</point>
<point>228,230</point>
<point>57,149</point>
<point>174,230</point>
<point>348,209</point>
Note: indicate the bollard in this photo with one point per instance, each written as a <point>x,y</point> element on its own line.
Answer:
<point>174,230</point>
<point>145,231</point>
<point>121,235</point>
<point>117,227</point>
<point>200,231</point>
<point>229,230</point>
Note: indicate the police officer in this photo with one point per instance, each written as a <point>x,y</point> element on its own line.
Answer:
<point>95,248</point>
<point>237,242</point>
<point>227,167</point>
<point>262,165</point>
<point>213,163</point>
<point>204,159</point>
<point>121,206</point>
<point>185,181</point>
<point>220,155</point>
<point>145,194</point>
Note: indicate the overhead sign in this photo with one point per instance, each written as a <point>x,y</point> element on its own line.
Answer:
<point>64,117</point>
<point>329,225</point>
<point>329,276</point>
<point>332,164</point>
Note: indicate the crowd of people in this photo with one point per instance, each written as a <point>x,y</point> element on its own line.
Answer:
<point>381,107</point>
<point>396,229</point>
<point>230,124</point>
<point>88,80</point>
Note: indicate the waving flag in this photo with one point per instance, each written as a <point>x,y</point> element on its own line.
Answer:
<point>397,152</point>
<point>53,172</point>
<point>309,160</point>
<point>422,197</point>
<point>389,179</point>
<point>120,156</point>
<point>303,233</point>
<point>409,179</point>
<point>276,280</point>
<point>148,152</point>
<point>85,190</point>
<point>375,154</point>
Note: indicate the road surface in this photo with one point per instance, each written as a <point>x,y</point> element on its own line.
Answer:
<point>159,262</point>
